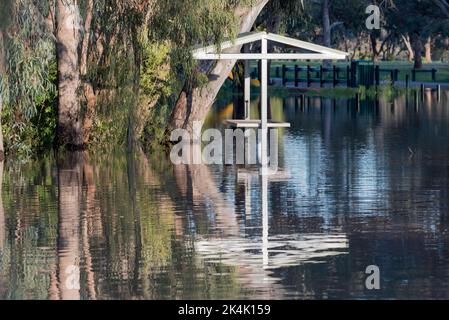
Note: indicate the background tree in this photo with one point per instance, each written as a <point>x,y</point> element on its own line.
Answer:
<point>419,20</point>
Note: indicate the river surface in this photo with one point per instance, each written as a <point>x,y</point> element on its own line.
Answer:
<point>356,186</point>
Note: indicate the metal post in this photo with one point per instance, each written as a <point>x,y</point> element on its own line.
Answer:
<point>264,109</point>
<point>247,89</point>
<point>438,92</point>
<point>265,222</point>
<point>407,82</point>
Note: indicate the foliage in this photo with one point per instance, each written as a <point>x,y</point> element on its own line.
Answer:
<point>201,22</point>
<point>417,17</point>
<point>155,71</point>
<point>30,52</point>
<point>29,89</point>
<point>157,84</point>
<point>24,136</point>
<point>111,119</point>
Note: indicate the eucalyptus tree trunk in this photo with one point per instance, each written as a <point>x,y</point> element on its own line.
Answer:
<point>428,48</point>
<point>89,92</point>
<point>418,49</point>
<point>326,28</point>
<point>375,47</point>
<point>2,72</point>
<point>69,132</point>
<point>194,105</point>
<point>408,45</point>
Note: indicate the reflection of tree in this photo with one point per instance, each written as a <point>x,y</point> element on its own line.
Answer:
<point>2,228</point>
<point>88,223</point>
<point>197,182</point>
<point>2,211</point>
<point>70,172</point>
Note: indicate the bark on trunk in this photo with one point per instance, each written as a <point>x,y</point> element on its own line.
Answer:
<point>91,101</point>
<point>408,45</point>
<point>375,47</point>
<point>69,131</point>
<point>85,46</point>
<point>194,106</point>
<point>428,47</point>
<point>89,92</point>
<point>417,49</point>
<point>326,29</point>
<point>2,72</point>
<point>133,110</point>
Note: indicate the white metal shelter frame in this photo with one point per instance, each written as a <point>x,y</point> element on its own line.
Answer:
<point>211,53</point>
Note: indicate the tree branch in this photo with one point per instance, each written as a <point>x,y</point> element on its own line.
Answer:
<point>335,24</point>
<point>444,6</point>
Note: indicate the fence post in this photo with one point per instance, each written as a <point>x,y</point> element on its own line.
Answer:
<point>308,76</point>
<point>278,72</point>
<point>353,81</point>
<point>284,80</point>
<point>348,76</point>
<point>414,75</point>
<point>377,75</point>
<point>296,76</point>
<point>438,92</point>
<point>434,74</point>
<point>407,80</point>
<point>321,76</point>
<point>334,70</point>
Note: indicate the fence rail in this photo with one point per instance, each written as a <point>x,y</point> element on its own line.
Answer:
<point>351,75</point>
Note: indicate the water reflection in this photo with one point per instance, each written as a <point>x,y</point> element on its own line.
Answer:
<point>70,177</point>
<point>357,185</point>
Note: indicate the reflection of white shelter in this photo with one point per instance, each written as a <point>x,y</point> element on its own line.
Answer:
<point>261,254</point>
<point>308,51</point>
